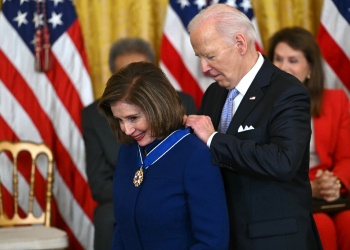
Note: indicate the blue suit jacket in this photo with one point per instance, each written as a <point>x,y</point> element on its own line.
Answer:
<point>179,205</point>
<point>102,150</point>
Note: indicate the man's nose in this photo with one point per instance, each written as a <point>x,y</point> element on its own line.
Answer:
<point>205,65</point>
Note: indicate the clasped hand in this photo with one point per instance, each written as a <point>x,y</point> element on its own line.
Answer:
<point>326,186</point>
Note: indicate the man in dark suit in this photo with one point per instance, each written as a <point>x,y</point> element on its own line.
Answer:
<point>263,151</point>
<point>102,146</point>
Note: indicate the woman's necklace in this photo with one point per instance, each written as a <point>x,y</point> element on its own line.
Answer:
<point>156,153</point>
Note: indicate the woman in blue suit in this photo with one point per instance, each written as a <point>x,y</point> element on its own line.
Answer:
<point>167,194</point>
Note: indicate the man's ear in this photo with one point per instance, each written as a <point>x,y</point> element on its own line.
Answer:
<point>241,43</point>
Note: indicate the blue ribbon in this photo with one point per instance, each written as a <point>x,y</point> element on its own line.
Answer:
<point>162,148</point>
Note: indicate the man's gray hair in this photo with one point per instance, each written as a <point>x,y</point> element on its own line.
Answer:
<point>227,21</point>
<point>128,46</point>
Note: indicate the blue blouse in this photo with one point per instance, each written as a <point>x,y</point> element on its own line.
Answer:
<point>179,205</point>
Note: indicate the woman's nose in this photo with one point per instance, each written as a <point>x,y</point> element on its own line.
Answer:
<point>128,129</point>
<point>284,66</point>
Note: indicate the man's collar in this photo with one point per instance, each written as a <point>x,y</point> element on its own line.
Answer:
<point>247,80</point>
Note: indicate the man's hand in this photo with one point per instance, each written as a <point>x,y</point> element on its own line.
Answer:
<point>201,125</point>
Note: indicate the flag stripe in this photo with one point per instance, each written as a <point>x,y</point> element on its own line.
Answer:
<point>7,104</point>
<point>45,107</point>
<point>258,43</point>
<point>331,79</point>
<point>172,60</point>
<point>335,56</point>
<point>31,106</point>
<point>179,38</point>
<point>23,186</point>
<point>78,220</point>
<point>7,189</point>
<point>65,91</point>
<point>59,221</point>
<point>69,58</point>
<point>170,76</point>
<point>334,45</point>
<point>68,203</point>
<point>7,199</point>
<point>336,26</point>
<point>23,180</point>
<point>75,34</point>
<point>343,8</point>
<point>45,94</point>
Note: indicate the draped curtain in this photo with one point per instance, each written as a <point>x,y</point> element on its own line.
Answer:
<point>105,21</point>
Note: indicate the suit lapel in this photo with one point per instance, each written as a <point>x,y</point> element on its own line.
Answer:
<point>245,107</point>
<point>261,80</point>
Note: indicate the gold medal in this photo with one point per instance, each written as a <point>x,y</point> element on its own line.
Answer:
<point>138,178</point>
<point>156,153</point>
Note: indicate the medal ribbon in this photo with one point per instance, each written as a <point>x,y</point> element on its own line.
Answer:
<point>162,148</point>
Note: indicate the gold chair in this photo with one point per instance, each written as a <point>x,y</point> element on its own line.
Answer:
<point>30,232</point>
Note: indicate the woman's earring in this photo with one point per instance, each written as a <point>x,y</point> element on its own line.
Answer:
<point>308,76</point>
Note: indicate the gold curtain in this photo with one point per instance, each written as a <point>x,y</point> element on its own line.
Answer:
<point>105,21</point>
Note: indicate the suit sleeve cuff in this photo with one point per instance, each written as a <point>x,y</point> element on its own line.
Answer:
<point>210,139</point>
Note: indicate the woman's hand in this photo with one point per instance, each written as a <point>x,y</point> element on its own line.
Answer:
<point>326,186</point>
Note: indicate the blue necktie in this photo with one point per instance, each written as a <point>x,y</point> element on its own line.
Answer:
<point>226,115</point>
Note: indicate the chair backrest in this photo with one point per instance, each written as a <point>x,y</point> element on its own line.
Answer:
<point>14,148</point>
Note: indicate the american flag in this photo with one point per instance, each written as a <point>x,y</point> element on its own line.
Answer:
<point>45,107</point>
<point>178,61</point>
<point>334,41</point>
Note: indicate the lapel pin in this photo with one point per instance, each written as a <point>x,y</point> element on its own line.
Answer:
<point>252,98</point>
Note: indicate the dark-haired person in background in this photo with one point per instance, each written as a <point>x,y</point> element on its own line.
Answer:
<point>166,192</point>
<point>295,51</point>
<point>102,146</point>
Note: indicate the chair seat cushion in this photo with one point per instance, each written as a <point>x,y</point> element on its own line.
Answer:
<point>32,237</point>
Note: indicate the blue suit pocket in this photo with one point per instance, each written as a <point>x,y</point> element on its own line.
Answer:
<point>272,228</point>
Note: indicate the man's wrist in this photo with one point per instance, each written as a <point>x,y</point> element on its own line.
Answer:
<point>210,139</point>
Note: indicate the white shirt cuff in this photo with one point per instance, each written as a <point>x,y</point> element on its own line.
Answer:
<point>210,139</point>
